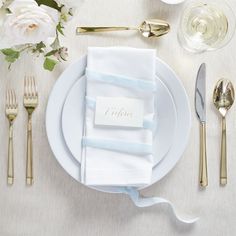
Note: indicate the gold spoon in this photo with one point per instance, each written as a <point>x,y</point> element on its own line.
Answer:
<point>148,28</point>
<point>223,99</point>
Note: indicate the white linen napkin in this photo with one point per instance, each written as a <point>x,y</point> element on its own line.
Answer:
<point>117,156</point>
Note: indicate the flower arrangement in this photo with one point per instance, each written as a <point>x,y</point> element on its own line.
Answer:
<point>34,26</point>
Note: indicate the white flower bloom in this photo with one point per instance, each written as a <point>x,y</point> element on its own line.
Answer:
<point>66,14</point>
<point>69,3</point>
<point>27,23</point>
<point>1,3</point>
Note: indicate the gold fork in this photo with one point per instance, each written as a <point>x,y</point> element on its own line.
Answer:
<point>30,103</point>
<point>11,114</point>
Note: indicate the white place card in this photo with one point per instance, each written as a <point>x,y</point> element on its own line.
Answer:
<point>119,111</point>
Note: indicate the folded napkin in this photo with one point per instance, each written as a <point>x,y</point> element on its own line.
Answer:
<point>118,155</point>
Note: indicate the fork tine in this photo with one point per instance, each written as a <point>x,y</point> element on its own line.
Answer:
<point>14,99</point>
<point>25,86</point>
<point>7,99</point>
<point>35,87</point>
<point>16,103</point>
<point>11,99</point>
<point>32,86</point>
<point>28,87</point>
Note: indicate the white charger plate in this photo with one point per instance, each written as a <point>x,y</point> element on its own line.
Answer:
<point>165,119</point>
<point>55,107</point>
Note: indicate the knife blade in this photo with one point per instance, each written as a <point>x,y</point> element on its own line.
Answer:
<point>200,107</point>
<point>200,93</point>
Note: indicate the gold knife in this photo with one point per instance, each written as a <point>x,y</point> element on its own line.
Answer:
<point>200,107</point>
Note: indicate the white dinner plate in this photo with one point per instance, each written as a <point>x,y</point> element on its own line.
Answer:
<point>165,120</point>
<point>55,107</point>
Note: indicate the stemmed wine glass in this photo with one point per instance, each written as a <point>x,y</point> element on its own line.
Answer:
<point>206,25</point>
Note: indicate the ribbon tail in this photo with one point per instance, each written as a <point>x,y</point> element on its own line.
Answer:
<point>150,201</point>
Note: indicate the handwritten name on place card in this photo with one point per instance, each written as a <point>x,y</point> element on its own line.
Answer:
<point>119,111</point>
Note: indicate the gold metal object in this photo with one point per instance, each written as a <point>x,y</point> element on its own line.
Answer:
<point>223,98</point>
<point>30,103</point>
<point>203,156</point>
<point>11,113</point>
<point>148,28</point>
<point>200,108</point>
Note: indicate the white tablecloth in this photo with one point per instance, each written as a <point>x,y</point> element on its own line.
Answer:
<point>58,205</point>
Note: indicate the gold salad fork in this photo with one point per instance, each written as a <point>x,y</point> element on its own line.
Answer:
<point>30,103</point>
<point>11,114</point>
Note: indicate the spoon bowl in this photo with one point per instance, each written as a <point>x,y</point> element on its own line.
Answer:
<point>223,96</point>
<point>154,28</point>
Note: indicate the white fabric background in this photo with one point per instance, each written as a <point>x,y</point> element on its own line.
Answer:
<point>58,205</point>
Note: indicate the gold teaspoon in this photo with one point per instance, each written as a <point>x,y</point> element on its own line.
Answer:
<point>223,98</point>
<point>148,28</point>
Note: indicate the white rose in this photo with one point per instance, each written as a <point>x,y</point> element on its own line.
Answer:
<point>27,23</point>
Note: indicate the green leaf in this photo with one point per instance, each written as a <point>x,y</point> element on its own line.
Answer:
<point>56,44</point>
<point>49,64</point>
<point>49,3</point>
<point>9,51</point>
<point>60,28</point>
<point>39,47</point>
<point>10,59</point>
<point>11,55</point>
<point>8,11</point>
<point>51,53</point>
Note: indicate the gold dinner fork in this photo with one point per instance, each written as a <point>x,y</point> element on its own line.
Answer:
<point>11,114</point>
<point>30,103</point>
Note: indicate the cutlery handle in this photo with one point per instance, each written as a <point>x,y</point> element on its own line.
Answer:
<point>10,162</point>
<point>84,30</point>
<point>203,156</point>
<point>29,160</point>
<point>223,160</point>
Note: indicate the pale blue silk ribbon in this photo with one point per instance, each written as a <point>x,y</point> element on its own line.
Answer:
<point>142,202</point>
<point>118,145</point>
<point>122,81</point>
